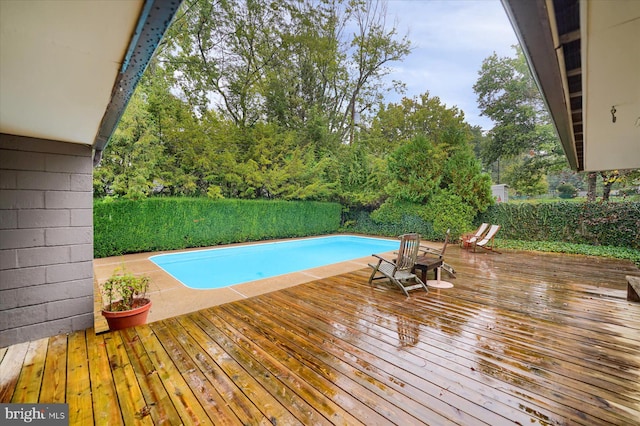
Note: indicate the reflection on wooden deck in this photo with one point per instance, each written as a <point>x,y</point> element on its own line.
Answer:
<point>522,338</point>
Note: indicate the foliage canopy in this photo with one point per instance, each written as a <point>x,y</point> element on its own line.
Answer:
<point>523,134</point>
<point>283,100</point>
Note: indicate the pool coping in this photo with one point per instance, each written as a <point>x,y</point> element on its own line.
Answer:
<point>171,298</point>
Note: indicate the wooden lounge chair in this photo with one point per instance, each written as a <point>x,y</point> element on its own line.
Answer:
<point>487,240</point>
<point>399,271</point>
<point>467,240</point>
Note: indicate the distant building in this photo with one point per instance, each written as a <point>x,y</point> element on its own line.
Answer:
<point>500,193</point>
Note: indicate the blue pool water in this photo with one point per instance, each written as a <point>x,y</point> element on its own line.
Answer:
<point>222,267</point>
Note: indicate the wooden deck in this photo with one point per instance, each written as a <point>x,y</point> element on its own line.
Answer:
<point>521,339</point>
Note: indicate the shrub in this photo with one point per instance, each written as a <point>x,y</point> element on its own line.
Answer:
<point>443,211</point>
<point>448,211</point>
<point>567,190</point>
<point>123,289</point>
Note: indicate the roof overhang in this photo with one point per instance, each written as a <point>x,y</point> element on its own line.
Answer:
<point>68,68</point>
<point>585,57</point>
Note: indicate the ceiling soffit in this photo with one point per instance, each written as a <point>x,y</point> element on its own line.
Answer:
<point>68,69</point>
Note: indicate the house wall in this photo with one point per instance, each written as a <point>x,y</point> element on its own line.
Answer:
<point>46,238</point>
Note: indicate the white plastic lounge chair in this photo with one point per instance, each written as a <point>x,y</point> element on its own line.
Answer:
<point>399,271</point>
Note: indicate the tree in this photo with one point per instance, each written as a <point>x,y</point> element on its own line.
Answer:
<point>614,176</point>
<point>477,141</point>
<point>463,176</point>
<point>566,176</point>
<point>362,176</point>
<point>425,176</point>
<point>592,178</point>
<point>373,47</point>
<point>220,51</point>
<point>300,86</point>
<point>508,95</point>
<point>397,124</point>
<point>287,60</point>
<point>416,170</point>
<point>609,178</point>
<point>526,177</point>
<point>128,168</point>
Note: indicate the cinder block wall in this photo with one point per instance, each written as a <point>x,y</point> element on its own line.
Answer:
<point>46,238</point>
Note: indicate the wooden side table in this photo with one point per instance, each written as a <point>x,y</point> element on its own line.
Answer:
<point>425,264</point>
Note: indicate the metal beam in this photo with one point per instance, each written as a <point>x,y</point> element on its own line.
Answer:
<point>155,18</point>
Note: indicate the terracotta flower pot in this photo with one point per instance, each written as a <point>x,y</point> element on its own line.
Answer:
<point>118,320</point>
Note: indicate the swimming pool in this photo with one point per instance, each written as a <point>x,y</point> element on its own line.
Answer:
<point>222,267</point>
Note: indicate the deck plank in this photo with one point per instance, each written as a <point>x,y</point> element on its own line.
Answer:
<point>493,336</point>
<point>11,366</point>
<point>54,381</point>
<point>28,386</point>
<point>106,410</point>
<point>130,399</point>
<point>331,359</point>
<point>275,400</point>
<point>466,356</point>
<point>516,329</point>
<point>310,379</point>
<point>402,365</point>
<point>78,378</point>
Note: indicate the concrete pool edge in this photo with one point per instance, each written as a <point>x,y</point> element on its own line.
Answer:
<point>171,298</point>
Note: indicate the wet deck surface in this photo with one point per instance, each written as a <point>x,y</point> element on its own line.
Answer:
<point>521,338</point>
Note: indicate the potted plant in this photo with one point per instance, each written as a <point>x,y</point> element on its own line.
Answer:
<point>127,304</point>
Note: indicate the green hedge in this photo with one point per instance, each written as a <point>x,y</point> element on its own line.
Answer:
<point>359,221</point>
<point>607,224</point>
<point>174,223</point>
<point>599,224</point>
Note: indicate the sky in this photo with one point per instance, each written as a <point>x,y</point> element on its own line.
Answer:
<point>450,39</point>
